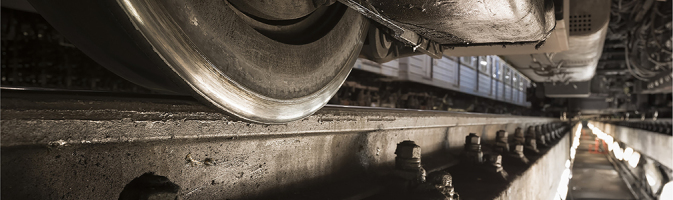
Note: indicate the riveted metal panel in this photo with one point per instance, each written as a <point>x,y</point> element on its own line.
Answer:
<point>390,68</point>
<point>420,65</point>
<point>446,70</point>
<point>484,84</point>
<point>500,90</point>
<point>508,93</point>
<point>468,79</point>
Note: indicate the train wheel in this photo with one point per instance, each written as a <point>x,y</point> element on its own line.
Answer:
<point>268,67</point>
<point>264,62</point>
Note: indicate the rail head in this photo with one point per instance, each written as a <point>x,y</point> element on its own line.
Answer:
<point>60,119</point>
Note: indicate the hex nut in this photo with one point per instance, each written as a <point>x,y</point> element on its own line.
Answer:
<point>473,138</point>
<point>502,135</point>
<point>408,149</point>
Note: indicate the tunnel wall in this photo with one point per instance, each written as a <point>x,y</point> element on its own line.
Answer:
<point>541,180</point>
<point>655,145</point>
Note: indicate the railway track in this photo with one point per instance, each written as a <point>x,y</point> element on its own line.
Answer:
<point>84,145</point>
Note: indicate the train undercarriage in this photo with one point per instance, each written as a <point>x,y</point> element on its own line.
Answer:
<point>334,99</point>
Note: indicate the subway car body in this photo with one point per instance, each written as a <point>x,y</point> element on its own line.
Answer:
<point>483,76</point>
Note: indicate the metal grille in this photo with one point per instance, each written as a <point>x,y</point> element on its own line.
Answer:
<point>580,23</point>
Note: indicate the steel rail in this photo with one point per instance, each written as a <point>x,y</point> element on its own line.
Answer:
<point>90,145</point>
<point>32,118</point>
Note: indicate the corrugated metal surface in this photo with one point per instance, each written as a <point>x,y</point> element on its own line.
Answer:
<point>468,79</point>
<point>497,69</point>
<point>388,69</point>
<point>508,93</point>
<point>506,74</point>
<point>494,88</point>
<point>516,79</point>
<point>484,68</point>
<point>446,70</point>
<point>484,84</point>
<point>496,74</point>
<point>500,90</point>
<point>420,65</point>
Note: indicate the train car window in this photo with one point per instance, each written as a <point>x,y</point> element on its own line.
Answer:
<point>507,74</point>
<point>466,60</point>
<point>475,61</point>
<point>498,71</point>
<point>484,62</point>
<point>515,80</point>
<point>495,66</point>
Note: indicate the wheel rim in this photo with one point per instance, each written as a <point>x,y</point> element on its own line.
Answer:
<point>214,84</point>
<point>275,9</point>
<point>311,26</point>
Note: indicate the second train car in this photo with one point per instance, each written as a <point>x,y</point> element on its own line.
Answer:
<point>484,76</point>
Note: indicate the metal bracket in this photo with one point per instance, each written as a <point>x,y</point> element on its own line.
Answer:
<point>406,36</point>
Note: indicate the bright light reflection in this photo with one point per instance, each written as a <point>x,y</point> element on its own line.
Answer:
<point>619,153</point>
<point>667,191</point>
<point>572,153</point>
<point>634,159</point>
<point>133,10</point>
<point>627,153</point>
<point>576,142</point>
<point>650,180</point>
<point>562,190</point>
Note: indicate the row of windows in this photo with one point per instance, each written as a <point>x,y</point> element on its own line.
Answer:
<point>497,68</point>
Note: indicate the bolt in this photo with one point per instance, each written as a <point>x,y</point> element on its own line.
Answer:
<point>473,148</point>
<point>408,156</point>
<point>540,137</point>
<point>473,139</point>
<point>501,144</point>
<point>501,135</point>
<point>519,138</point>
<point>518,150</point>
<point>472,142</point>
<point>494,159</point>
<point>531,142</point>
<point>408,149</point>
<point>531,132</point>
<point>495,164</point>
<point>408,164</point>
<point>548,133</point>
